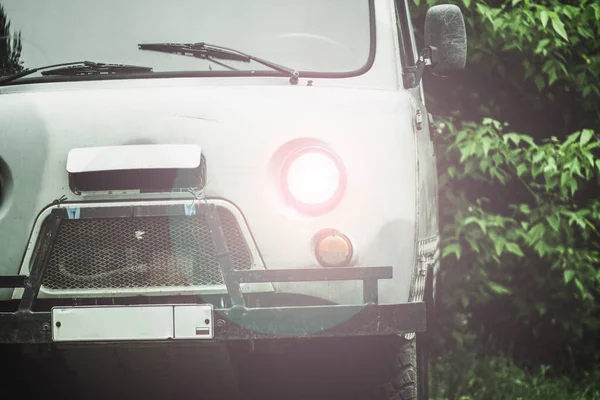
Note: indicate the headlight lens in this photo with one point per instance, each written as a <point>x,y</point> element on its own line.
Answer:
<point>314,179</point>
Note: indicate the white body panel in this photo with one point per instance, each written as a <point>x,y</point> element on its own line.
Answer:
<point>244,126</point>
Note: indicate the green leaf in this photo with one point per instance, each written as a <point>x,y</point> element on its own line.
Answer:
<point>558,26</point>
<point>577,168</point>
<point>586,135</point>
<point>581,288</point>
<point>521,169</point>
<point>567,12</point>
<point>471,220</point>
<point>473,243</point>
<point>568,275</point>
<point>514,249</point>
<point>499,245</point>
<point>486,142</point>
<point>483,10</point>
<point>453,248</point>
<point>467,3</point>
<point>542,45</point>
<point>524,208</point>
<point>596,8</point>
<point>552,77</point>
<point>544,18</point>
<point>589,157</point>
<point>468,150</point>
<point>529,140</point>
<point>554,221</point>
<point>585,32</point>
<point>538,157</point>
<point>513,137</point>
<point>573,186</point>
<point>572,138</point>
<point>564,179</point>
<point>536,233</point>
<point>578,219</point>
<point>541,248</point>
<point>498,289</point>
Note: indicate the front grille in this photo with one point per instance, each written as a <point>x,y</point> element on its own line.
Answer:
<point>142,252</point>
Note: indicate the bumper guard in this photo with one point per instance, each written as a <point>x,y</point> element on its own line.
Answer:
<point>237,322</point>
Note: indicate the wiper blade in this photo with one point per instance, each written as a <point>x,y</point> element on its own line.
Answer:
<point>198,50</point>
<point>210,52</point>
<point>92,68</point>
<point>77,68</point>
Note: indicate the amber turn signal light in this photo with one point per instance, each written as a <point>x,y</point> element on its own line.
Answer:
<point>333,249</point>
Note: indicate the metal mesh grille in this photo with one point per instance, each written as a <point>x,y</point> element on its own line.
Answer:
<point>141,252</point>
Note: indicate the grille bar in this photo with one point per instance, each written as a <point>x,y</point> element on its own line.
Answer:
<point>142,252</point>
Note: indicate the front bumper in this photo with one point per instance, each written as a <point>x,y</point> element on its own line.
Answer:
<point>259,323</point>
<point>237,321</point>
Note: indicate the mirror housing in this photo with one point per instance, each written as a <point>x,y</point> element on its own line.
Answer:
<point>446,39</point>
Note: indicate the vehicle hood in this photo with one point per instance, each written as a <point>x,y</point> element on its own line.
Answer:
<point>239,127</point>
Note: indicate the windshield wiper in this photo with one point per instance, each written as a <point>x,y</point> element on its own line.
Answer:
<point>211,52</point>
<point>92,68</point>
<point>76,68</point>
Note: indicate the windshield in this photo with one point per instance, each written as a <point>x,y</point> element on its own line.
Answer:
<point>311,36</point>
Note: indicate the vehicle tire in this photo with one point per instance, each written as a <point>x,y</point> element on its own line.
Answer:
<point>406,367</point>
<point>404,372</point>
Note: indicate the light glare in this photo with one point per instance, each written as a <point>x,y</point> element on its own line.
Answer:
<point>313,178</point>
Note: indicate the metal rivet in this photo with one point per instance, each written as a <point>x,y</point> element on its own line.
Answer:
<point>207,321</point>
<point>58,324</point>
<point>220,323</point>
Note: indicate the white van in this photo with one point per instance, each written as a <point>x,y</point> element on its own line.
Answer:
<point>217,171</point>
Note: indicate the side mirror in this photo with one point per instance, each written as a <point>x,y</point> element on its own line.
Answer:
<point>446,38</point>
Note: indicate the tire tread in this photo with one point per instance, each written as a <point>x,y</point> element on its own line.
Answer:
<point>401,374</point>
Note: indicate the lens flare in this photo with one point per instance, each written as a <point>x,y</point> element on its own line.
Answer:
<point>313,178</point>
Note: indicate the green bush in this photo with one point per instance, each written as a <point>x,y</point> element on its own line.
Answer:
<point>519,165</point>
<point>520,239</point>
<point>498,378</point>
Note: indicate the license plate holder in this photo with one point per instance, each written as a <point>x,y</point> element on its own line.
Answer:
<point>132,323</point>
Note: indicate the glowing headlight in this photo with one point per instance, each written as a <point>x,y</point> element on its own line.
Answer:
<point>314,179</point>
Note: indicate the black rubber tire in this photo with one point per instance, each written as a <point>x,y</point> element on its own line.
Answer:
<point>404,372</point>
<point>407,369</point>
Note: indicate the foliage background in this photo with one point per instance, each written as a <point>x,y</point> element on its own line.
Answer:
<point>10,47</point>
<point>519,164</point>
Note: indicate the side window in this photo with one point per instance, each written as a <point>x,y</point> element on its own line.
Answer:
<point>410,31</point>
<point>404,27</point>
<point>408,46</point>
